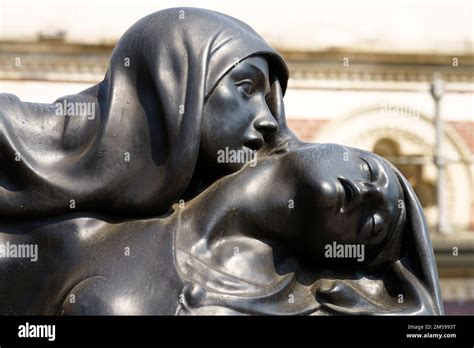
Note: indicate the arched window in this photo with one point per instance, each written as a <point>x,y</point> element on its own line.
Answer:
<point>411,167</point>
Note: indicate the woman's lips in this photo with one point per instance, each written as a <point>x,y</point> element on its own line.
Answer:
<point>369,227</point>
<point>254,143</point>
<point>372,225</point>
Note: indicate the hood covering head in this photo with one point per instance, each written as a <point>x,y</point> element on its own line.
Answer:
<point>417,255</point>
<point>138,154</point>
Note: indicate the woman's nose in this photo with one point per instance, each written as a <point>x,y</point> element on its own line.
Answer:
<point>265,124</point>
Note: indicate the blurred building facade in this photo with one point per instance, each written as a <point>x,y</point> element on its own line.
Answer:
<point>378,100</point>
<point>381,102</point>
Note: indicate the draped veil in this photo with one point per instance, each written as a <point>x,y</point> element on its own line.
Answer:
<point>137,155</point>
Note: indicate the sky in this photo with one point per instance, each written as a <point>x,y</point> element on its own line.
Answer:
<point>414,26</point>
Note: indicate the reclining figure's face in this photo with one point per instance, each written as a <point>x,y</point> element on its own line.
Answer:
<point>356,198</point>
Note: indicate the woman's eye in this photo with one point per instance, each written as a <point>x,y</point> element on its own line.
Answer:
<point>366,168</point>
<point>245,86</point>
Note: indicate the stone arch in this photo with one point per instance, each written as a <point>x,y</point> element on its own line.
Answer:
<point>387,147</point>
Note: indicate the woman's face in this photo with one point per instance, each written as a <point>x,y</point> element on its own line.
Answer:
<point>236,117</point>
<point>356,199</point>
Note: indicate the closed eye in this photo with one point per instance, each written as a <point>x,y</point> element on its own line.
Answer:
<point>368,168</point>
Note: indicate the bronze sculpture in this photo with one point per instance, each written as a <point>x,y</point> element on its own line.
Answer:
<point>133,212</point>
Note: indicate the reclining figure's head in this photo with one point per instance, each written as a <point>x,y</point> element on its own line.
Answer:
<point>349,196</point>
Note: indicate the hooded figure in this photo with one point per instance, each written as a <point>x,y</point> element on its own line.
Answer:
<point>149,109</point>
<point>135,155</point>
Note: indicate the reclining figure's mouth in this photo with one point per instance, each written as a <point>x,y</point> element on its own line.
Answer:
<point>372,226</point>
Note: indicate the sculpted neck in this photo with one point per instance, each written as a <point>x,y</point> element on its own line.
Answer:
<point>254,202</point>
